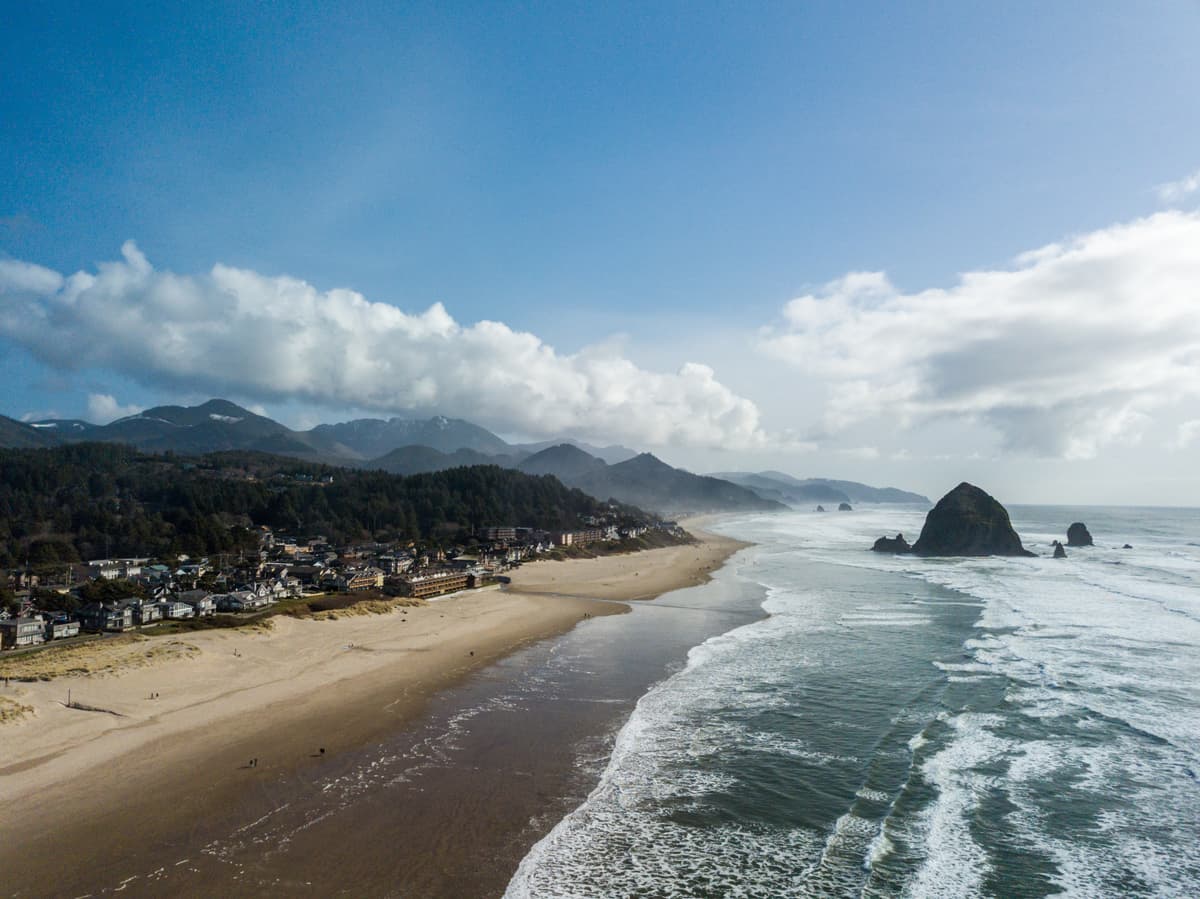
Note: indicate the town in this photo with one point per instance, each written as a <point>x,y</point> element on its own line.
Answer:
<point>113,595</point>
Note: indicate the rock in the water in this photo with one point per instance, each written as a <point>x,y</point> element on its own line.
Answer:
<point>820,508</point>
<point>1126,546</point>
<point>895,544</point>
<point>1077,535</point>
<point>968,522</point>
<point>844,507</point>
<point>1059,552</point>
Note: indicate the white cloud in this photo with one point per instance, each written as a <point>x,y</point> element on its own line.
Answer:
<point>860,452</point>
<point>40,415</point>
<point>268,338</point>
<point>1070,349</point>
<point>103,408</point>
<point>1174,191</point>
<point>25,276</point>
<point>1187,434</point>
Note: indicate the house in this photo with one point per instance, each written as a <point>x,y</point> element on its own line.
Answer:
<point>307,574</point>
<point>22,631</point>
<point>353,581</point>
<point>201,601</point>
<point>226,602</point>
<point>97,616</point>
<point>241,601</point>
<point>144,611</point>
<point>176,610</point>
<point>61,627</point>
<point>156,574</point>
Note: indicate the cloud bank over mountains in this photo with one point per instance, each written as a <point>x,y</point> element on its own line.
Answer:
<point>1076,346</point>
<point>273,338</point>
<point>1071,349</point>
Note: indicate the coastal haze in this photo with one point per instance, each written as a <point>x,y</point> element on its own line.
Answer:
<point>583,453</point>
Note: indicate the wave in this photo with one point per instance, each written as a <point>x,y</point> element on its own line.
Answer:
<point>1037,727</point>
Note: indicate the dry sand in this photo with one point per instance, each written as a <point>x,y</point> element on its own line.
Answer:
<point>636,576</point>
<point>210,701</point>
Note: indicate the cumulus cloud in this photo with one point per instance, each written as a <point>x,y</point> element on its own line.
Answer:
<point>103,408</point>
<point>270,338</point>
<point>1174,191</point>
<point>1072,348</point>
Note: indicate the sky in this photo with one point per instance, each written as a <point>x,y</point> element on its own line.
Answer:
<point>906,245</point>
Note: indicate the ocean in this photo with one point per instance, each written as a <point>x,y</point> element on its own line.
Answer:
<point>898,726</point>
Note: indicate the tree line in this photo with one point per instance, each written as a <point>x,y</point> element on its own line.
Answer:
<point>85,501</point>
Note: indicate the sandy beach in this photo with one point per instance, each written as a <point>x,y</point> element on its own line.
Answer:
<point>183,716</point>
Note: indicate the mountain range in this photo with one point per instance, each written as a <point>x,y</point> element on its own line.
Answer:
<point>415,446</point>
<point>802,492</point>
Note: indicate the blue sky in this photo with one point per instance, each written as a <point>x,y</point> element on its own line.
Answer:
<point>659,178</point>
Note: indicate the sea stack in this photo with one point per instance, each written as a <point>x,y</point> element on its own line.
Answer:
<point>844,507</point>
<point>820,508</point>
<point>1059,552</point>
<point>895,544</point>
<point>968,522</point>
<point>1077,535</point>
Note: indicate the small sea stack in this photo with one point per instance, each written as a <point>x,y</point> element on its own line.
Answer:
<point>1059,551</point>
<point>968,522</point>
<point>895,544</point>
<point>844,507</point>
<point>820,508</point>
<point>1077,535</point>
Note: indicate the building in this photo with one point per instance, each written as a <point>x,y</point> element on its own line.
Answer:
<point>579,538</point>
<point>201,602</point>
<point>22,631</point>
<point>174,609</point>
<point>426,585</point>
<point>144,611</point>
<point>111,569</point>
<point>364,579</point>
<point>98,617</point>
<point>395,564</point>
<point>61,628</point>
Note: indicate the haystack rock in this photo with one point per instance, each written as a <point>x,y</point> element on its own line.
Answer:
<point>968,522</point>
<point>1077,535</point>
<point>1059,552</point>
<point>820,508</point>
<point>895,544</point>
<point>844,507</point>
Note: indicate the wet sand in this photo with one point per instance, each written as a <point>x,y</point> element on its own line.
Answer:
<point>138,795</point>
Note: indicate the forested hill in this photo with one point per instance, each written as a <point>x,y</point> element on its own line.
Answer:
<point>91,500</point>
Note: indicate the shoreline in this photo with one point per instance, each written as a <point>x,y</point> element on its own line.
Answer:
<point>279,696</point>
